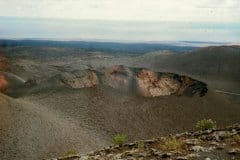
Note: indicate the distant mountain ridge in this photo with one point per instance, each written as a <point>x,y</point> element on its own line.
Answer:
<point>117,47</point>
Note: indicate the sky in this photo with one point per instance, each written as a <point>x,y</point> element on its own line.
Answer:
<point>134,20</point>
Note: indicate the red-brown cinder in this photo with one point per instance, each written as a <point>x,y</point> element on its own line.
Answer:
<point>3,67</point>
<point>3,83</point>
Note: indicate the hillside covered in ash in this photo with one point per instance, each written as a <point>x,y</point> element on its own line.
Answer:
<point>58,99</point>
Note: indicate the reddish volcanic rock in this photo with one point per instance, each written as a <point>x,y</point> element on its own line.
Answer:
<point>3,83</point>
<point>3,66</point>
<point>150,85</point>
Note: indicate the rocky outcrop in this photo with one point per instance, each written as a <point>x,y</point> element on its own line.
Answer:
<point>207,144</point>
<point>80,79</point>
<point>151,84</point>
<point>141,81</point>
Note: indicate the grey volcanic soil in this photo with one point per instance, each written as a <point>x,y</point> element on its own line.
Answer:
<point>51,119</point>
<point>31,131</point>
<point>54,123</point>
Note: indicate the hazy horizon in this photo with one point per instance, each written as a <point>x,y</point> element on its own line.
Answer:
<point>116,30</point>
<point>121,20</point>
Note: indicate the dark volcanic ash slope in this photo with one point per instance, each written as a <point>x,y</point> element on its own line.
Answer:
<point>101,113</point>
<point>32,131</point>
<point>50,122</point>
<point>64,105</point>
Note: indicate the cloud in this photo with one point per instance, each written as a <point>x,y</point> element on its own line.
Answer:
<point>226,4</point>
<point>144,10</point>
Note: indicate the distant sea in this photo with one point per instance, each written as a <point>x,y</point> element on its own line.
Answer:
<point>124,31</point>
